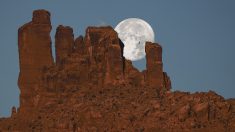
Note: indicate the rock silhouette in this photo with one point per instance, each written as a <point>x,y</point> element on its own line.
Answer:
<point>92,87</point>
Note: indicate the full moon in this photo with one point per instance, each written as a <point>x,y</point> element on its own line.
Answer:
<point>134,32</point>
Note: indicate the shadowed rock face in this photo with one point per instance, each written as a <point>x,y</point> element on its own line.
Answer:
<point>92,87</point>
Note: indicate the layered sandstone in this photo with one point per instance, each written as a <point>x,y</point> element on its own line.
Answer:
<point>92,87</point>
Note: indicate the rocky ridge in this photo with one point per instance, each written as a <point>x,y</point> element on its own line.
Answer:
<point>92,87</point>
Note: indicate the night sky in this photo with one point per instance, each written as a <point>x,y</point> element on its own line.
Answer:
<point>197,36</point>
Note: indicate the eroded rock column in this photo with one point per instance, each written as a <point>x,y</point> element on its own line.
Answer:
<point>154,72</point>
<point>105,51</point>
<point>64,43</point>
<point>35,53</point>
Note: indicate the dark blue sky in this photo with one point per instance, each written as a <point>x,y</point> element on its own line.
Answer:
<point>197,36</point>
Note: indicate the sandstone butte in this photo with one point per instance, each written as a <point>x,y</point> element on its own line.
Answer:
<point>92,87</point>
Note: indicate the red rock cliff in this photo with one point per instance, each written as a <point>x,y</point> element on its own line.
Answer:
<point>64,43</point>
<point>95,60</point>
<point>35,53</point>
<point>92,87</point>
<point>154,72</point>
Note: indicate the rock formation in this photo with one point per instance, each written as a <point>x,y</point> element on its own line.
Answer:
<point>154,72</point>
<point>35,53</point>
<point>92,87</point>
<point>64,43</point>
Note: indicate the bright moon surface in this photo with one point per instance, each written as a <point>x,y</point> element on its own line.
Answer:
<point>134,32</point>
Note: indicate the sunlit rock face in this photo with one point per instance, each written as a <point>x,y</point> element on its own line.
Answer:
<point>92,87</point>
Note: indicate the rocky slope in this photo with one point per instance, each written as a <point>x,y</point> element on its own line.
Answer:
<point>92,87</point>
